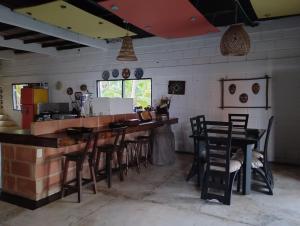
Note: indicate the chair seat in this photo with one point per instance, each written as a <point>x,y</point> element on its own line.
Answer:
<point>76,155</point>
<point>106,148</point>
<point>257,154</point>
<point>239,156</point>
<point>256,163</point>
<point>235,165</point>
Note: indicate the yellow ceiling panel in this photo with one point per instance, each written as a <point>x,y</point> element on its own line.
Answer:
<point>275,8</point>
<point>65,15</point>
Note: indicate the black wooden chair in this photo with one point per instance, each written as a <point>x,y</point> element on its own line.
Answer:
<point>260,163</point>
<point>199,155</point>
<point>220,170</point>
<point>79,157</point>
<point>239,120</point>
<point>109,150</point>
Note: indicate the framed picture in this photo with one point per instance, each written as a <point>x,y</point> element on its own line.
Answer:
<point>176,87</point>
<point>245,93</point>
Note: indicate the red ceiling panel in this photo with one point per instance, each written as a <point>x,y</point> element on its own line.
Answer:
<point>163,18</point>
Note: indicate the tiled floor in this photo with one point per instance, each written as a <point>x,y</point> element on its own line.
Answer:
<point>160,196</point>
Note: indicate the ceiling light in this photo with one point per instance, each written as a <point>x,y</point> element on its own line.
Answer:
<point>127,52</point>
<point>114,8</point>
<point>193,18</point>
<point>235,41</point>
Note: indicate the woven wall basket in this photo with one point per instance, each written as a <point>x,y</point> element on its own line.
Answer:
<point>235,41</point>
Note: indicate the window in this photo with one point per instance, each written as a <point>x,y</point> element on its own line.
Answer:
<point>16,90</point>
<point>110,88</point>
<point>138,89</point>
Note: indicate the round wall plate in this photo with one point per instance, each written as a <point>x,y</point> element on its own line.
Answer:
<point>139,73</point>
<point>83,87</point>
<point>255,88</point>
<point>105,75</point>
<point>232,89</point>
<point>115,73</point>
<point>70,91</point>
<point>126,73</point>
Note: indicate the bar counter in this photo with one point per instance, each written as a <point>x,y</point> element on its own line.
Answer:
<point>33,159</point>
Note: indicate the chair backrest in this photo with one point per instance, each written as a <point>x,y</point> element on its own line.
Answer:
<point>197,124</point>
<point>218,145</point>
<point>91,141</point>
<point>239,120</point>
<point>267,138</point>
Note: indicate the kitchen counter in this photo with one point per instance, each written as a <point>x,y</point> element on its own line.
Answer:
<point>33,159</point>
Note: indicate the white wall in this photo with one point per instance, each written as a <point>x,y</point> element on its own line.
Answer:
<point>275,51</point>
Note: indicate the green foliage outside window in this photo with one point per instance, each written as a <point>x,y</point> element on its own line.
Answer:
<point>140,90</point>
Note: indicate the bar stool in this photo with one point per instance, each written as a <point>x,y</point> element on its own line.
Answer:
<point>79,157</point>
<point>139,150</point>
<point>109,150</point>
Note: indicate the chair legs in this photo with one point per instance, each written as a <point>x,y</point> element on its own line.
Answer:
<point>267,179</point>
<point>65,174</point>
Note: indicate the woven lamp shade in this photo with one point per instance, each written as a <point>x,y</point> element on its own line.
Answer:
<point>235,41</point>
<point>127,52</point>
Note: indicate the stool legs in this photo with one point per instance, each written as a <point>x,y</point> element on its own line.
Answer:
<point>79,180</point>
<point>108,168</point>
<point>65,174</point>
<point>93,176</point>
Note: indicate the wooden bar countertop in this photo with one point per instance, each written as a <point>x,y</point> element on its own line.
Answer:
<point>60,139</point>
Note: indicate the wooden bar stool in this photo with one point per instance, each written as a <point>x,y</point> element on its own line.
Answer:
<point>139,150</point>
<point>79,157</point>
<point>109,150</point>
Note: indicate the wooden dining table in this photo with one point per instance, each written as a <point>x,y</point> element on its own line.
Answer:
<point>246,139</point>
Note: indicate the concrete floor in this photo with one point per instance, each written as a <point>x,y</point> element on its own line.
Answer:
<point>160,196</point>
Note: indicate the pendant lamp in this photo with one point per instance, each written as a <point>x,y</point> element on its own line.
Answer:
<point>235,40</point>
<point>127,52</point>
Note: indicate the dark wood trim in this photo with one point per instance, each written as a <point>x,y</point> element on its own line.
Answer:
<point>40,39</point>
<point>20,35</point>
<point>244,107</point>
<point>266,77</point>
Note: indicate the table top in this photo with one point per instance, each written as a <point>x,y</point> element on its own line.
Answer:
<point>21,136</point>
<point>240,135</point>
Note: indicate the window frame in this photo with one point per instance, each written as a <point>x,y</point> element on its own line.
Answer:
<point>12,95</point>
<point>123,89</point>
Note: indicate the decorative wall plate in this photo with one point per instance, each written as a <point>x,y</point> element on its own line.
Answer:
<point>125,73</point>
<point>70,91</point>
<point>255,88</point>
<point>105,75</point>
<point>78,95</point>
<point>232,89</point>
<point>243,98</point>
<point>115,73</point>
<point>139,73</point>
<point>83,87</point>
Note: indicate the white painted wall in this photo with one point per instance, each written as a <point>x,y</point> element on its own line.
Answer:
<point>275,51</point>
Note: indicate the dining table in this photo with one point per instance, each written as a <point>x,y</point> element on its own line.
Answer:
<point>247,140</point>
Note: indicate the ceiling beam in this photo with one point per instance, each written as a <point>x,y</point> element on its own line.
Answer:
<point>5,27</point>
<point>9,17</point>
<point>71,46</point>
<point>40,39</point>
<point>59,43</point>
<point>35,48</point>
<point>19,35</point>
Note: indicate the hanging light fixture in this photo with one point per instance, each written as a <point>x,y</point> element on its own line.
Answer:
<point>236,41</point>
<point>127,52</point>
